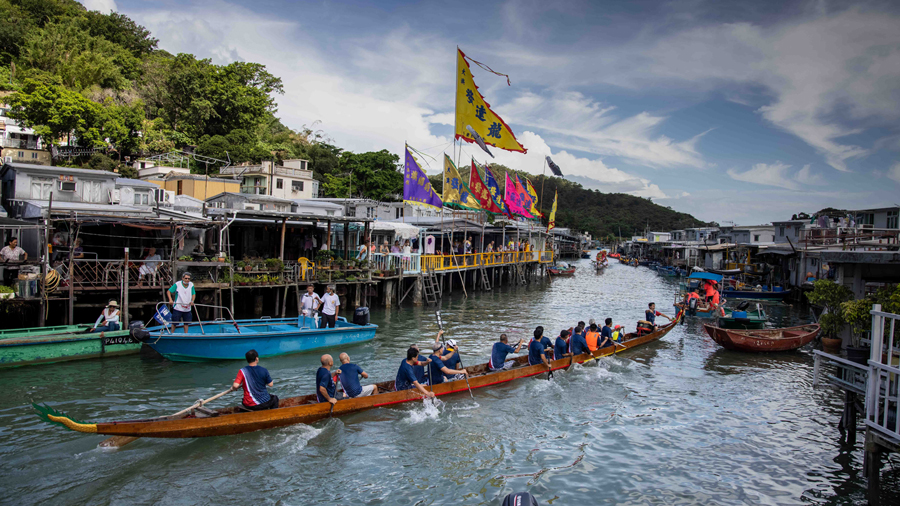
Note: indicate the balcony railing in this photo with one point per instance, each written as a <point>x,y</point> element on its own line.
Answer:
<point>848,237</point>
<point>254,190</point>
<point>883,395</point>
<point>19,143</point>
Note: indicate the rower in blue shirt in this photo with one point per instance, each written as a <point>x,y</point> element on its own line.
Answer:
<point>499,352</point>
<point>561,347</point>
<point>606,334</point>
<point>578,344</point>
<point>419,367</point>
<point>439,369</point>
<point>536,353</point>
<point>406,377</point>
<point>326,389</point>
<point>451,358</point>
<point>350,374</point>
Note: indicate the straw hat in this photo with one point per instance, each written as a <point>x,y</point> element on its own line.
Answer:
<point>113,303</point>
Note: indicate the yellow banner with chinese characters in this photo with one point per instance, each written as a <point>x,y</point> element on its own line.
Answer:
<point>456,192</point>
<point>472,110</point>
<point>552,222</point>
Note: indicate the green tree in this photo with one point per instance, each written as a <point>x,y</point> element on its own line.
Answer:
<point>120,30</point>
<point>54,112</point>
<point>121,126</point>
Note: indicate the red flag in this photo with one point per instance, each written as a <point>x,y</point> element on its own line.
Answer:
<point>481,192</point>
<point>514,197</point>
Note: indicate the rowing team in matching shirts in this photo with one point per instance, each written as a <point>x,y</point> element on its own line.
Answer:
<point>444,363</point>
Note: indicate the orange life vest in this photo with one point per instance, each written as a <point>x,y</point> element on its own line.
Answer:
<point>592,338</point>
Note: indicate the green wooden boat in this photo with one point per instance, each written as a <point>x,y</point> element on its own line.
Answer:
<point>736,319</point>
<point>43,345</point>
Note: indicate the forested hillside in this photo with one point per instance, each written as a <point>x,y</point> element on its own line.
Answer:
<point>87,79</point>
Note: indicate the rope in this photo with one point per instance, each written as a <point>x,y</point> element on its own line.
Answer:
<point>492,71</point>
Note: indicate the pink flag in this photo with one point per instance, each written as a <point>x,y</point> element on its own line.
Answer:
<point>515,197</point>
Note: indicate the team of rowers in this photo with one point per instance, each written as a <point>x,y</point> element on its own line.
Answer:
<point>444,364</point>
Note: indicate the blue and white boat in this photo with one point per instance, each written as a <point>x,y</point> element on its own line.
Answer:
<point>231,339</point>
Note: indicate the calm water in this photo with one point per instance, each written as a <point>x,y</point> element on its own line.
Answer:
<point>680,421</point>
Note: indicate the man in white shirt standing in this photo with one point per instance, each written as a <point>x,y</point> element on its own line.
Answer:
<point>310,301</point>
<point>184,300</point>
<point>329,307</point>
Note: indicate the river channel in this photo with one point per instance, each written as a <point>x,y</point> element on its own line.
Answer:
<point>679,421</point>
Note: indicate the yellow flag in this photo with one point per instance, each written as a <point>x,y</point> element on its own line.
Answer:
<point>552,223</point>
<point>534,200</point>
<point>472,110</point>
<point>456,191</point>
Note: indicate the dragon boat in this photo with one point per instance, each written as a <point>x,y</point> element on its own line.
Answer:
<point>203,422</point>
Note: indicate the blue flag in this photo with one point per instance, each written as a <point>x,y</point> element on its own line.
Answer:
<point>494,188</point>
<point>416,186</point>
<point>163,315</point>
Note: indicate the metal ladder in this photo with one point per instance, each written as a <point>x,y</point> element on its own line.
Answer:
<point>485,281</point>
<point>520,273</point>
<point>432,288</point>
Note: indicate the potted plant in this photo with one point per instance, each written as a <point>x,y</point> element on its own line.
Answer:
<point>186,258</point>
<point>858,314</point>
<point>274,264</point>
<point>222,258</point>
<point>377,273</point>
<point>338,275</point>
<point>7,292</point>
<point>323,258</point>
<point>351,278</point>
<point>831,296</point>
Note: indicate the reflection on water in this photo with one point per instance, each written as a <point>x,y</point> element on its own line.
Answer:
<point>680,421</point>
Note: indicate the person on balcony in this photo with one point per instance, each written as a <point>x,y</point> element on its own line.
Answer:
<point>385,248</point>
<point>148,268</point>
<point>396,247</point>
<point>363,253</point>
<point>11,253</point>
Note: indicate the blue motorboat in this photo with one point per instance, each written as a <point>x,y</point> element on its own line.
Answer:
<point>777,294</point>
<point>270,337</point>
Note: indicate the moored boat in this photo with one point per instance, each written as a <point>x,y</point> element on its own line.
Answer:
<point>740,318</point>
<point>784,339</point>
<point>732,293</point>
<point>270,337</point>
<point>305,409</point>
<point>560,271</point>
<point>44,345</point>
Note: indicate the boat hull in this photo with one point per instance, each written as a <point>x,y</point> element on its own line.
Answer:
<point>305,409</point>
<point>557,272</point>
<point>38,345</point>
<point>270,338</point>
<point>749,294</point>
<point>741,323</point>
<point>785,339</point>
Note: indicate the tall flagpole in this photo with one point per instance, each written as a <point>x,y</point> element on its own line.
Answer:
<point>543,177</point>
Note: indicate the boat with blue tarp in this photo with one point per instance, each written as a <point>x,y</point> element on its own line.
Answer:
<point>270,337</point>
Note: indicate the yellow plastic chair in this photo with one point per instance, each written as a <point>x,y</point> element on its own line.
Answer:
<point>305,265</point>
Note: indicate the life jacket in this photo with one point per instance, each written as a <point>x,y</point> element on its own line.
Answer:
<point>592,338</point>
<point>618,335</point>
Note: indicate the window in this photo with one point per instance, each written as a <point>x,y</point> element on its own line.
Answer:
<point>279,184</point>
<point>329,213</point>
<point>21,154</point>
<point>892,219</point>
<point>398,213</point>
<point>90,191</point>
<point>180,189</point>
<point>370,212</point>
<point>781,231</point>
<point>797,231</point>
<point>755,237</point>
<point>297,186</point>
<point>865,219</point>
<point>41,188</point>
<point>34,156</point>
<point>142,199</point>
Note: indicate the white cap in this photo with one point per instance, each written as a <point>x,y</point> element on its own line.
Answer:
<point>451,343</point>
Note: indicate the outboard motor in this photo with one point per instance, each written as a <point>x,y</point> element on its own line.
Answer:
<point>743,306</point>
<point>520,499</point>
<point>692,306</point>
<point>136,324</point>
<point>138,334</point>
<point>361,316</point>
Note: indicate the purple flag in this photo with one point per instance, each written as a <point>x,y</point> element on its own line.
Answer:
<point>416,186</point>
<point>491,182</point>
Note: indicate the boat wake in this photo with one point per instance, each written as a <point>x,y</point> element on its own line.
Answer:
<point>296,437</point>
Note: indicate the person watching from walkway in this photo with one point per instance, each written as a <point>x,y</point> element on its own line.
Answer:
<point>363,252</point>
<point>438,369</point>
<point>109,317</point>
<point>536,353</point>
<point>561,347</point>
<point>184,300</point>
<point>326,389</point>
<point>255,378</point>
<point>148,268</point>
<point>329,306</point>
<point>499,352</point>
<point>651,314</point>
<point>350,374</point>
<point>406,377</point>
<point>11,253</point>
<point>310,302</point>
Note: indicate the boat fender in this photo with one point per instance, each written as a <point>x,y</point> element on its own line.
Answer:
<point>520,499</point>
<point>139,335</point>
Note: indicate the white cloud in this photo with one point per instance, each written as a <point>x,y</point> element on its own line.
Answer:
<point>104,6</point>
<point>777,174</point>
<point>894,172</point>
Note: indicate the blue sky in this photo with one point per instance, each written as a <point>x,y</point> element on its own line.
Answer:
<point>745,112</point>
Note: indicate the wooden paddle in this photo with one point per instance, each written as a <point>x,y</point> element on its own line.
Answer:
<point>120,441</point>
<point>335,380</point>
<point>441,327</point>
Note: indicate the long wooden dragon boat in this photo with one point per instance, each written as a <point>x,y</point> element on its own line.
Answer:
<point>305,409</point>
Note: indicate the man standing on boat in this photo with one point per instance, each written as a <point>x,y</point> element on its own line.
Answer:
<point>350,374</point>
<point>310,301</point>
<point>255,379</point>
<point>184,300</point>
<point>406,378</point>
<point>329,306</point>
<point>651,314</point>
<point>326,389</point>
<point>499,352</point>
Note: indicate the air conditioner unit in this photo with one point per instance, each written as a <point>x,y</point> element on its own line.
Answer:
<point>66,186</point>
<point>113,196</point>
<point>7,159</point>
<point>164,196</point>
